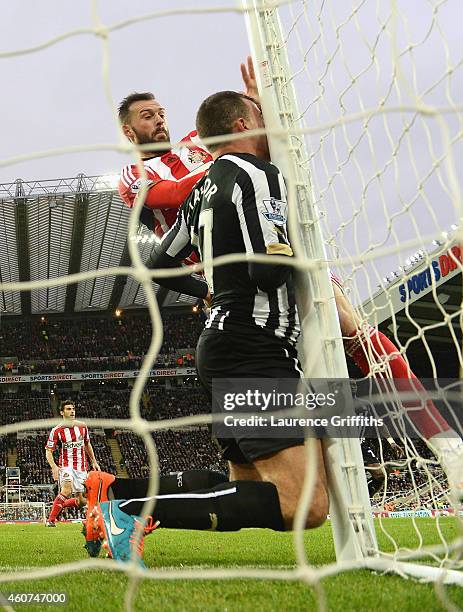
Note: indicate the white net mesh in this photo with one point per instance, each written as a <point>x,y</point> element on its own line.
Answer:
<point>378,92</point>
<point>379,85</point>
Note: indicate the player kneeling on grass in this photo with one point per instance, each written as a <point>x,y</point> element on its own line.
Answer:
<point>251,333</point>
<point>72,438</point>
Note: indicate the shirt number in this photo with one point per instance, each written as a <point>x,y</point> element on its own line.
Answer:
<point>205,222</point>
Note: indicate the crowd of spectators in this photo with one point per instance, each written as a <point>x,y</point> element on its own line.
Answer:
<point>38,494</point>
<point>33,494</point>
<point>3,455</point>
<point>166,403</point>
<point>57,345</point>
<point>21,513</point>
<point>102,452</point>
<point>104,402</point>
<point>180,332</point>
<point>416,472</point>
<point>158,402</point>
<point>383,450</point>
<point>180,358</point>
<point>411,478</point>
<point>18,407</point>
<point>178,450</point>
<point>31,459</point>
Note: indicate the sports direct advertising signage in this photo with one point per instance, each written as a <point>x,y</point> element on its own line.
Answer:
<point>31,378</point>
<point>438,270</point>
<point>419,281</point>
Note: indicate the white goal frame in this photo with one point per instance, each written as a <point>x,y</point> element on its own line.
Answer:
<point>350,508</point>
<point>25,506</point>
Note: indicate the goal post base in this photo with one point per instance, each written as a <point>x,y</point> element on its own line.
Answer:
<point>424,573</point>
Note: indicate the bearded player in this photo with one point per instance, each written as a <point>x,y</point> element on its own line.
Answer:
<point>72,438</point>
<point>171,173</point>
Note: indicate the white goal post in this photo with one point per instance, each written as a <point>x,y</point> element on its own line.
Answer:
<point>350,509</point>
<point>24,512</point>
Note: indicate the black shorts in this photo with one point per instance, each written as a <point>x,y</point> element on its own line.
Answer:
<point>254,355</point>
<point>369,457</point>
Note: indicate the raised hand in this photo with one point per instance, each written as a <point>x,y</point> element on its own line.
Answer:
<point>249,79</point>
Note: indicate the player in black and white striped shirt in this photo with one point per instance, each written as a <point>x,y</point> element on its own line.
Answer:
<point>240,206</point>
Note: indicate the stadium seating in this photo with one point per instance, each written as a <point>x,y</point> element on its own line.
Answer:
<point>31,459</point>
<point>24,407</point>
<point>160,402</point>
<point>177,450</point>
<point>94,344</point>
<point>3,456</point>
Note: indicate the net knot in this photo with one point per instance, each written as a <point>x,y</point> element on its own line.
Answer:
<point>101,31</point>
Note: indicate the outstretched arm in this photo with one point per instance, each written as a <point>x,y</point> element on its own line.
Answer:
<point>174,247</point>
<point>171,194</point>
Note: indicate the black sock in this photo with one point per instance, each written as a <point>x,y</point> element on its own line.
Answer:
<point>226,507</point>
<point>190,480</point>
<point>374,485</point>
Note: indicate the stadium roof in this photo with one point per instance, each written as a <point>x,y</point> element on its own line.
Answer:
<point>57,227</point>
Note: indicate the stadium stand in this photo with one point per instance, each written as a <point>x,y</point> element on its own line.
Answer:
<point>160,402</point>
<point>31,459</point>
<point>19,406</point>
<point>102,451</point>
<point>3,456</point>
<point>93,343</point>
<point>177,450</point>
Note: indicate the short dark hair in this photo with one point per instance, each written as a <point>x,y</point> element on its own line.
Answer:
<point>64,403</point>
<point>124,107</point>
<point>218,112</point>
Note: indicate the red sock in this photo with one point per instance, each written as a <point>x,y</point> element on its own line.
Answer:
<point>374,348</point>
<point>71,503</point>
<point>58,505</point>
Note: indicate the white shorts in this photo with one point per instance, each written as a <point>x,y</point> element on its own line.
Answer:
<point>75,477</point>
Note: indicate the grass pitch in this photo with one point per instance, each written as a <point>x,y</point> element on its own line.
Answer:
<point>25,547</point>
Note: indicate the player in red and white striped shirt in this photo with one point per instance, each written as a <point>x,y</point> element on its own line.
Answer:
<point>171,173</point>
<point>72,438</point>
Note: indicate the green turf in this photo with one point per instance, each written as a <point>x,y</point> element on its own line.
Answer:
<point>35,546</point>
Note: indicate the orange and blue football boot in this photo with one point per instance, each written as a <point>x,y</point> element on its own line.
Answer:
<point>123,540</point>
<point>97,485</point>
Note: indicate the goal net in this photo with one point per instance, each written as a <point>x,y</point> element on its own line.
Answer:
<point>368,130</point>
<point>362,106</point>
<point>23,512</point>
